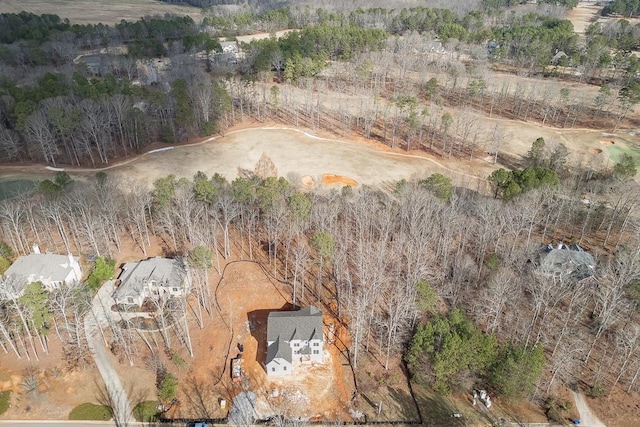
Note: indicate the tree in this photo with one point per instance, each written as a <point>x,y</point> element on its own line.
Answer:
<point>427,297</point>
<point>448,348</point>
<point>167,387</point>
<point>503,184</point>
<point>536,153</point>
<point>628,97</point>
<point>517,370</point>
<point>324,244</point>
<point>104,269</point>
<point>626,168</point>
<point>200,259</point>
<point>439,185</point>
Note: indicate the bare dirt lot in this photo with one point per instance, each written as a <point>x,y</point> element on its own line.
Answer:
<point>95,12</point>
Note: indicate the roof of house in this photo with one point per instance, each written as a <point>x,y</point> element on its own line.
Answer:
<point>48,266</point>
<point>136,275</point>
<point>568,261</point>
<point>305,324</point>
<point>277,351</point>
<point>36,267</point>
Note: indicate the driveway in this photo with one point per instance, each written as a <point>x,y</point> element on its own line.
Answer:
<point>94,321</point>
<point>587,418</point>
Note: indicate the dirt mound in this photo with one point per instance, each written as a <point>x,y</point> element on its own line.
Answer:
<point>596,151</point>
<point>328,179</point>
<point>607,142</point>
<point>308,181</point>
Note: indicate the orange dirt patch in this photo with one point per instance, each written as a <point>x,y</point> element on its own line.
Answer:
<point>328,179</point>
<point>596,151</point>
<point>308,181</point>
<point>607,142</point>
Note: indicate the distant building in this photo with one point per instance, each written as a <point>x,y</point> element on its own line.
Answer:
<point>567,263</point>
<point>52,270</point>
<point>293,336</point>
<point>154,277</point>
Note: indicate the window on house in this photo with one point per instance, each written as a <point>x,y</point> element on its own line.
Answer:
<point>316,344</point>
<point>316,351</point>
<point>175,289</point>
<point>130,300</point>
<point>284,368</point>
<point>273,369</point>
<point>296,344</point>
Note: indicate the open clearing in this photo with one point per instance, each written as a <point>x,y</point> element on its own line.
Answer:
<point>308,160</point>
<point>311,161</point>
<point>95,12</point>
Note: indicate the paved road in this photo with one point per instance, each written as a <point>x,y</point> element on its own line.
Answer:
<point>587,418</point>
<point>98,315</point>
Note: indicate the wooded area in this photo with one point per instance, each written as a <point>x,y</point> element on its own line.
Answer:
<point>447,277</point>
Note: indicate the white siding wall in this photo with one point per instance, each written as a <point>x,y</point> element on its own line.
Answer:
<point>278,367</point>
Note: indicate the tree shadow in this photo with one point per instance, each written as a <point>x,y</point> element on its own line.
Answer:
<point>437,411</point>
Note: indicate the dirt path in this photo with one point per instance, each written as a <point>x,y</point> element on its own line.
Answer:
<point>587,418</point>
<point>93,321</point>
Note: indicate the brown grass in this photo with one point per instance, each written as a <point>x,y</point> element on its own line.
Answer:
<point>94,12</point>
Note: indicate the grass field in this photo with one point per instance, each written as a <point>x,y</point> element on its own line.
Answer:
<point>616,152</point>
<point>5,400</point>
<point>14,187</point>
<point>89,411</point>
<point>94,12</point>
<point>146,411</point>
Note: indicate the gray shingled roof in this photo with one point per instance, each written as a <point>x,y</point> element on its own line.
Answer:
<point>568,263</point>
<point>53,267</point>
<point>305,324</point>
<point>275,350</point>
<point>136,275</point>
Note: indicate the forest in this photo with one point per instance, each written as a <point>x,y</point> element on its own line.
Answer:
<point>446,276</point>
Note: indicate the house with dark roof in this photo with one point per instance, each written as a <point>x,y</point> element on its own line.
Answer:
<point>51,270</point>
<point>293,338</point>
<point>155,277</point>
<point>567,263</point>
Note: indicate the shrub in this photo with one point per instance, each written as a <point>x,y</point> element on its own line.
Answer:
<point>178,360</point>
<point>598,390</point>
<point>6,251</point>
<point>90,411</point>
<point>30,380</point>
<point>4,264</point>
<point>5,401</point>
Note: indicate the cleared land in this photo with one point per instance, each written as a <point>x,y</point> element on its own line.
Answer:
<point>95,12</point>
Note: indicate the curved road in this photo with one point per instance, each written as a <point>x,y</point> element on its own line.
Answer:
<point>93,321</point>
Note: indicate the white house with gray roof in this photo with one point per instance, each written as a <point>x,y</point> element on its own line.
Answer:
<point>154,277</point>
<point>52,270</point>
<point>292,337</point>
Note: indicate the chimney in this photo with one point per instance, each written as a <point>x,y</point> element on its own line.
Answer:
<point>560,245</point>
<point>35,248</point>
<point>71,260</point>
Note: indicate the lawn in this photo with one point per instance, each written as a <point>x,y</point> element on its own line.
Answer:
<point>616,152</point>
<point>5,401</point>
<point>15,187</point>
<point>146,412</point>
<point>90,411</point>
